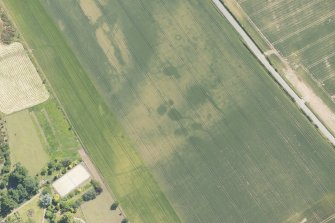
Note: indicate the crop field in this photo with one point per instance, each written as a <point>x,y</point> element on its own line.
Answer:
<point>178,116</point>
<point>20,85</point>
<point>302,31</point>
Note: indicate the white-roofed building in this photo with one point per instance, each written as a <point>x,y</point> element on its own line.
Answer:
<point>71,180</point>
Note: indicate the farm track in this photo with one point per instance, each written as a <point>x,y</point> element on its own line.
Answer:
<point>248,154</point>
<point>262,59</point>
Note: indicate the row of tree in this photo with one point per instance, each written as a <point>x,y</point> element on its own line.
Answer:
<point>4,160</point>
<point>8,33</point>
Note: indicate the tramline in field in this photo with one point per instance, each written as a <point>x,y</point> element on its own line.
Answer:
<point>302,31</point>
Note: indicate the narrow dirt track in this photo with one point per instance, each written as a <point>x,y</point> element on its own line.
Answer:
<point>260,56</point>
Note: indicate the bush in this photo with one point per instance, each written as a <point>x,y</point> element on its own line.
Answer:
<point>66,218</point>
<point>56,199</point>
<point>114,205</point>
<point>125,220</point>
<point>56,207</point>
<point>89,195</point>
<point>43,172</point>
<point>77,191</point>
<point>45,200</point>
<point>2,184</point>
<point>51,166</point>
<point>5,169</point>
<point>97,187</point>
<point>49,214</point>
<point>66,162</point>
<point>77,204</point>
<point>46,190</point>
<point>64,206</point>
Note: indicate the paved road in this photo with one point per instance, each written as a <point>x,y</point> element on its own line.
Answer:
<point>258,53</point>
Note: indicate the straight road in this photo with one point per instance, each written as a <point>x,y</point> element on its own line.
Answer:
<point>260,56</point>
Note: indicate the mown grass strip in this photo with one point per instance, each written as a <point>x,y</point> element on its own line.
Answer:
<point>101,134</point>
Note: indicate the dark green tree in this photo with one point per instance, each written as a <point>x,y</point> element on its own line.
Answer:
<point>114,205</point>
<point>45,200</point>
<point>7,204</point>
<point>66,162</point>
<point>125,220</point>
<point>89,195</point>
<point>17,176</point>
<point>96,185</point>
<point>66,218</point>
<point>49,214</point>
<point>23,194</point>
<point>14,194</point>
<point>31,185</point>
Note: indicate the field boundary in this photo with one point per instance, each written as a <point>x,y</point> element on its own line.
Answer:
<point>264,61</point>
<point>95,174</point>
<point>327,113</point>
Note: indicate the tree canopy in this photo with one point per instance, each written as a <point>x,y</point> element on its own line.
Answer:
<point>18,187</point>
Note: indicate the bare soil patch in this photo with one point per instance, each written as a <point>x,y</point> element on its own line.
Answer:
<point>91,10</point>
<point>313,100</point>
<point>108,48</point>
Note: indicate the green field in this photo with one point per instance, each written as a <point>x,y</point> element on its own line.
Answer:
<point>220,138</point>
<point>25,142</point>
<point>92,214</point>
<point>40,134</point>
<point>32,212</point>
<point>302,31</point>
<point>58,138</point>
